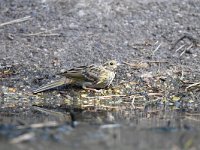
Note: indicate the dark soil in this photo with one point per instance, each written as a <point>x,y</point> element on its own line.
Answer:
<point>154,100</point>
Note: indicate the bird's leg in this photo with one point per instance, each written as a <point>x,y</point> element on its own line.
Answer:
<point>88,85</point>
<point>109,86</point>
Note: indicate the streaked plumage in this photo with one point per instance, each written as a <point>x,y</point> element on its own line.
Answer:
<point>88,77</point>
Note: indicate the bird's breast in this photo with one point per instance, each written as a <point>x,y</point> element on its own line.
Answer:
<point>105,79</point>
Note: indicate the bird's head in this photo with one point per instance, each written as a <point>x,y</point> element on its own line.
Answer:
<point>111,65</point>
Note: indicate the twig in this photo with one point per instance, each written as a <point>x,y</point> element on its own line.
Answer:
<point>40,125</point>
<point>189,114</point>
<point>155,94</point>
<point>189,47</point>
<point>105,97</point>
<point>186,49</point>
<point>191,118</point>
<point>193,86</point>
<point>106,126</point>
<point>151,102</point>
<point>49,112</point>
<point>156,49</point>
<point>41,34</point>
<point>22,138</point>
<point>154,61</point>
<point>145,61</point>
<point>16,21</point>
<point>102,106</point>
<point>194,40</point>
<point>108,107</point>
<point>133,102</point>
<point>88,105</point>
<point>128,96</point>
<point>156,42</point>
<point>180,47</point>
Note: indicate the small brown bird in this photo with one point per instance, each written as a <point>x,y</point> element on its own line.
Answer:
<point>90,77</point>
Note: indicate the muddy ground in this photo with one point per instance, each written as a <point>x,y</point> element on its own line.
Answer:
<point>154,100</point>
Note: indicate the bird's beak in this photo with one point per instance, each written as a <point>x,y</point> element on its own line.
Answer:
<point>118,63</point>
<point>121,63</point>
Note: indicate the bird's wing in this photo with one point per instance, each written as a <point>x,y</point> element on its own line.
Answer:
<point>87,73</point>
<point>75,73</point>
<point>93,73</point>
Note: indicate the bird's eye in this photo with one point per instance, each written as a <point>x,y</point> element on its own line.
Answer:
<point>111,63</point>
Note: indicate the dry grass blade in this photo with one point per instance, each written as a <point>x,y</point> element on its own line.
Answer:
<point>137,65</point>
<point>16,21</point>
<point>193,119</point>
<point>44,33</point>
<point>143,63</point>
<point>189,47</point>
<point>193,86</point>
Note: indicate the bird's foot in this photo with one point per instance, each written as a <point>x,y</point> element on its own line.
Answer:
<point>94,90</point>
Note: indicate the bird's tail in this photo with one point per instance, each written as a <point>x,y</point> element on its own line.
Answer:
<point>50,85</point>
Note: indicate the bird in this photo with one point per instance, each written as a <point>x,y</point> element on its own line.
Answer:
<point>91,77</point>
